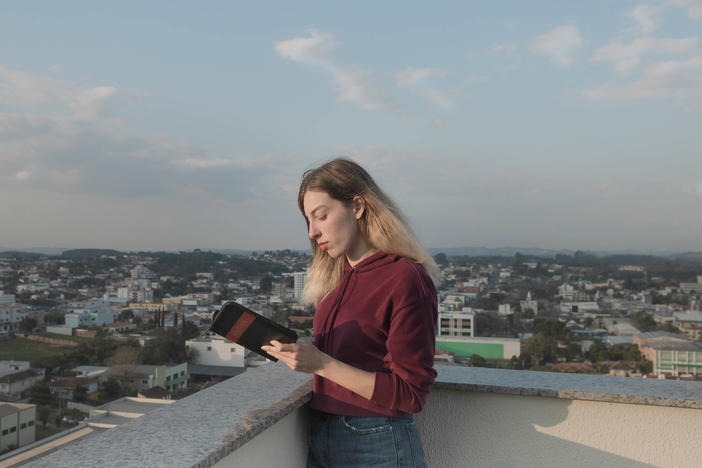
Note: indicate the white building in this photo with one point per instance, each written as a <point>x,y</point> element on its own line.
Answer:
<point>17,425</point>
<point>217,351</point>
<point>566,292</point>
<point>689,323</point>
<point>459,323</point>
<point>299,283</point>
<point>11,315</point>
<point>95,312</point>
<point>7,298</point>
<point>10,367</point>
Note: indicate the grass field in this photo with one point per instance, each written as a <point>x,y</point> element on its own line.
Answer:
<point>20,349</point>
<point>43,432</point>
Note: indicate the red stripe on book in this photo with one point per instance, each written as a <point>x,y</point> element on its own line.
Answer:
<point>240,326</point>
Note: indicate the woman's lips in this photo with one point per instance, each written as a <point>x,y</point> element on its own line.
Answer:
<point>323,245</point>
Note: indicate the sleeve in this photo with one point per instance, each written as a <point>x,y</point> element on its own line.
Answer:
<point>410,358</point>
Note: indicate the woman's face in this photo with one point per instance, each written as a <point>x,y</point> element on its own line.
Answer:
<point>332,224</point>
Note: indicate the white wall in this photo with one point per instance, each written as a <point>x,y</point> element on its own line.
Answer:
<point>462,429</point>
<point>282,445</point>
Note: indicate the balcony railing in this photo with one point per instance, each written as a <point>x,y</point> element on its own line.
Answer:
<point>474,417</point>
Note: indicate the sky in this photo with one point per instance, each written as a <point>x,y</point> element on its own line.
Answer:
<point>179,125</point>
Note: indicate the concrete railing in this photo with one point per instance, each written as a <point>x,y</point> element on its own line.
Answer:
<point>473,417</point>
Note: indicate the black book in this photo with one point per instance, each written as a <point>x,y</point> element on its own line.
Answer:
<point>249,329</point>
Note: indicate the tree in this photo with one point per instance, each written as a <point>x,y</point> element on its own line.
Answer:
<point>476,360</point>
<point>646,367</point>
<point>124,355</point>
<point>189,330</point>
<point>111,389</point>
<point>125,315</point>
<point>441,259</point>
<point>28,324</point>
<point>40,394</point>
<point>266,284</point>
<point>43,415</point>
<point>80,394</point>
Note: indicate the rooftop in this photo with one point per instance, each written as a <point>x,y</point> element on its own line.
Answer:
<point>262,416</point>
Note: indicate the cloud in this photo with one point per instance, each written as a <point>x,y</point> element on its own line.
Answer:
<point>695,189</point>
<point>352,84</point>
<point>31,91</point>
<point>414,76</point>
<point>501,48</point>
<point>648,18</point>
<point>421,80</point>
<point>560,44</point>
<point>306,49</point>
<point>668,80</point>
<point>693,7</point>
<point>201,163</point>
<point>627,56</point>
<point>22,175</point>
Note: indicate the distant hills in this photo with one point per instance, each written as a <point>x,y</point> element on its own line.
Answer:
<point>687,258</point>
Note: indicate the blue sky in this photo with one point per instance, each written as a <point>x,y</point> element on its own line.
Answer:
<point>170,125</point>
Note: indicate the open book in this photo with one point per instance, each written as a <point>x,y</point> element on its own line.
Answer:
<point>249,329</point>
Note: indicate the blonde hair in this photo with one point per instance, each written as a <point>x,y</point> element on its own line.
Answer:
<point>382,225</point>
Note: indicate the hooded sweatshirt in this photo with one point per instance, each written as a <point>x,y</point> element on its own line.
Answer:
<point>381,318</point>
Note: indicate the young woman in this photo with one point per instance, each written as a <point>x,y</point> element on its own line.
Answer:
<point>374,324</point>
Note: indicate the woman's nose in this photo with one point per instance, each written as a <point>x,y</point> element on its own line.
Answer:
<point>314,232</point>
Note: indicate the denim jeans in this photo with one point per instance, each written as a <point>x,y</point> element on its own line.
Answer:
<point>349,441</point>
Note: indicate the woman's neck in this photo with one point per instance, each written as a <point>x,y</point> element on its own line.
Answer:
<point>359,252</point>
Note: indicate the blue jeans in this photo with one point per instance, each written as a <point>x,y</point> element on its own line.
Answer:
<point>350,441</point>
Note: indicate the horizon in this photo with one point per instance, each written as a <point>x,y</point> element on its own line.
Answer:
<point>163,126</point>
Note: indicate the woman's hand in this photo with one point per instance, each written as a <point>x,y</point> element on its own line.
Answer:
<point>302,356</point>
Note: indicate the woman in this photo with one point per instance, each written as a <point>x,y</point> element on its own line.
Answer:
<point>373,352</point>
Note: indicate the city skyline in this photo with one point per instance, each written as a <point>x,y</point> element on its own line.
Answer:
<point>174,127</point>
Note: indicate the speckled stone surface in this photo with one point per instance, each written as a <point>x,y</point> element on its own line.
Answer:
<point>202,429</point>
<point>196,431</point>
<point>631,390</point>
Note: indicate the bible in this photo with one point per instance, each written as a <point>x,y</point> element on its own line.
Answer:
<point>249,329</point>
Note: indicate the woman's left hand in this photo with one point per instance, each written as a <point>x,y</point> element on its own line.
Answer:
<point>302,356</point>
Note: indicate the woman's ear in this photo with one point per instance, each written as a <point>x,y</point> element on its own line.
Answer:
<point>359,206</point>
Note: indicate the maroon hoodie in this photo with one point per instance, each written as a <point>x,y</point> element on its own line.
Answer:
<point>381,318</point>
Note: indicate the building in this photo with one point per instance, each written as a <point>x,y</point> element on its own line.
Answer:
<point>63,387</point>
<point>215,357</point>
<point>10,367</point>
<point>299,283</point>
<point>12,385</point>
<point>489,348</point>
<point>691,288</point>
<point>89,313</point>
<point>142,377</point>
<point>460,323</point>
<point>689,323</point>
<point>11,315</point>
<point>17,425</point>
<point>671,358</point>
<point>7,298</point>
<point>529,305</point>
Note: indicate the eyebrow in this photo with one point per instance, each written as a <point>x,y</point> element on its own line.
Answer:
<point>320,206</point>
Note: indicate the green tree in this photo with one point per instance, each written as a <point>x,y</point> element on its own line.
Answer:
<point>80,394</point>
<point>441,259</point>
<point>110,389</point>
<point>43,415</point>
<point>28,324</point>
<point>476,360</point>
<point>266,284</point>
<point>189,330</point>
<point>40,394</point>
<point>646,367</point>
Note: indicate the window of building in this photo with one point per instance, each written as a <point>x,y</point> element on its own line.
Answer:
<point>13,429</point>
<point>233,350</point>
<point>4,432</point>
<point>23,426</point>
<point>182,373</point>
<point>30,423</point>
<point>168,377</point>
<point>209,348</point>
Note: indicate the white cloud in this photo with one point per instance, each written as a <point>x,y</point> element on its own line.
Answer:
<point>560,44</point>
<point>627,56</point>
<point>421,79</point>
<point>352,84</point>
<point>193,162</point>
<point>648,17</point>
<point>22,175</point>
<point>28,90</point>
<point>306,49</point>
<point>695,189</point>
<point>500,48</point>
<point>414,76</point>
<point>669,80</point>
<point>476,79</point>
<point>693,7</point>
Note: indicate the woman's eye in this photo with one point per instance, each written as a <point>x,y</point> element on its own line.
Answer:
<point>323,217</point>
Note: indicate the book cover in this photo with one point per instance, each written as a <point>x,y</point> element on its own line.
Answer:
<point>249,329</point>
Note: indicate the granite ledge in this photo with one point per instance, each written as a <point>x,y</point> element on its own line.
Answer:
<point>630,390</point>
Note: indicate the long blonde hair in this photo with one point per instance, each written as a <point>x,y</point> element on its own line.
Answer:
<point>382,226</point>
